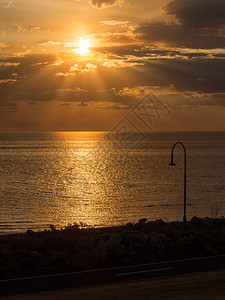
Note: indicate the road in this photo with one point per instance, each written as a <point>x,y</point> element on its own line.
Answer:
<point>99,276</point>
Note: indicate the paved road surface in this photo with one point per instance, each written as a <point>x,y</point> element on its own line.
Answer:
<point>99,276</point>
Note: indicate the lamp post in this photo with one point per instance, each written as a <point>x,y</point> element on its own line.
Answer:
<point>172,164</point>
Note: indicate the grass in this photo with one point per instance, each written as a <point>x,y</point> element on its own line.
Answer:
<point>75,248</point>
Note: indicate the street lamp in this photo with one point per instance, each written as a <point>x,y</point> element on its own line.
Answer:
<point>172,164</point>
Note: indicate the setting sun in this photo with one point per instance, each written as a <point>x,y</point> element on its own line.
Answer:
<point>83,47</point>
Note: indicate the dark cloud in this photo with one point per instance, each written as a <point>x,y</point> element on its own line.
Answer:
<point>197,14</point>
<point>184,75</point>
<point>22,86</point>
<point>219,55</point>
<point>175,35</point>
<point>36,61</point>
<point>217,99</point>
<point>191,100</point>
<point>143,51</point>
<point>203,75</point>
<point>201,25</point>
<point>103,3</point>
<point>32,103</point>
<point>119,38</point>
<point>128,49</point>
<point>26,65</point>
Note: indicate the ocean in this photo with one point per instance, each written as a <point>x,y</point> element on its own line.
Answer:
<point>99,179</point>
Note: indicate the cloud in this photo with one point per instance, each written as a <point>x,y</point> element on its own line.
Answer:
<point>216,99</point>
<point>3,34</point>
<point>104,3</point>
<point>7,81</point>
<point>114,23</point>
<point>175,35</point>
<point>21,29</point>
<point>19,77</point>
<point>197,14</point>
<point>6,5</point>
<point>6,64</point>
<point>32,103</point>
<point>50,43</point>
<point>82,68</point>
<point>35,28</point>
<point>201,25</point>
<point>75,69</point>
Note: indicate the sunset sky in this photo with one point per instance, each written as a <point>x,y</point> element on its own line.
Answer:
<point>85,64</point>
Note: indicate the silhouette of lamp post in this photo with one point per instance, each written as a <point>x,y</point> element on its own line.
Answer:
<point>172,164</point>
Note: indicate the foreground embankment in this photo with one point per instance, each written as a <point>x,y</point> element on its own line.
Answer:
<point>198,286</point>
<point>75,248</point>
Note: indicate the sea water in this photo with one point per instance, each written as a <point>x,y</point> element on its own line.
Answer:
<point>91,177</point>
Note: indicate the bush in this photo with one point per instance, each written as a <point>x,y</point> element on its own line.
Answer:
<point>77,247</point>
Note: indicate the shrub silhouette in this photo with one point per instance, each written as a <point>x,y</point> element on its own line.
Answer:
<point>79,247</point>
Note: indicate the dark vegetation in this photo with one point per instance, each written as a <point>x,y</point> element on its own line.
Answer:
<point>75,248</point>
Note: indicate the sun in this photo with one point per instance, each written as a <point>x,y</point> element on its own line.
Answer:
<point>83,47</point>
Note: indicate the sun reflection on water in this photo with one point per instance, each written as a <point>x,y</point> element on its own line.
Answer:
<point>86,177</point>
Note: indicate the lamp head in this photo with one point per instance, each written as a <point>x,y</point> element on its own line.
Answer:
<point>172,164</point>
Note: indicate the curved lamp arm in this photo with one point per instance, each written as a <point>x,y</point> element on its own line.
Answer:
<point>172,164</point>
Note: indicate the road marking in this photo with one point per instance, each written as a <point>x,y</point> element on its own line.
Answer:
<point>146,271</point>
